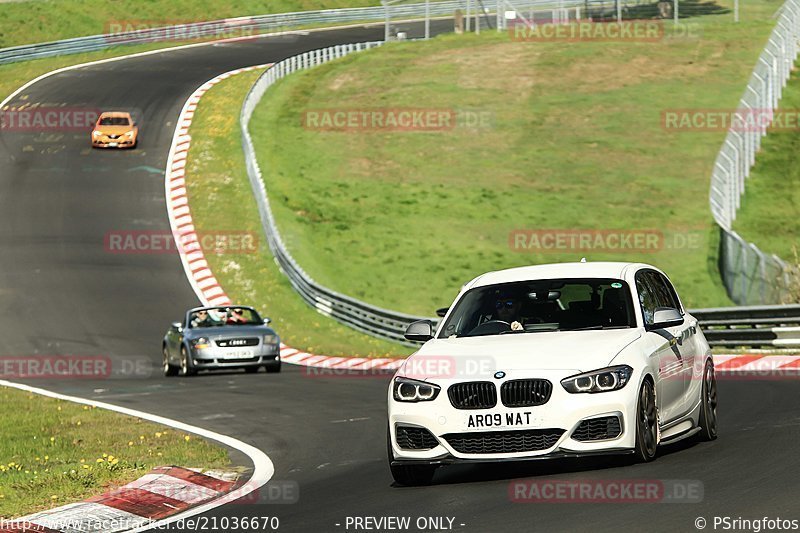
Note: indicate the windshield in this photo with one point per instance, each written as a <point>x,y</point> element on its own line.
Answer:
<point>114,121</point>
<point>541,305</point>
<point>224,316</point>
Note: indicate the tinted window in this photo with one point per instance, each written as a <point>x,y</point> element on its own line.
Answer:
<point>647,296</point>
<point>655,292</point>
<point>541,305</point>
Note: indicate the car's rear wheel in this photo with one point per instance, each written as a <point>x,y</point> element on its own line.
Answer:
<point>169,369</point>
<point>186,368</point>
<point>273,368</point>
<point>646,423</point>
<point>408,475</point>
<point>708,404</point>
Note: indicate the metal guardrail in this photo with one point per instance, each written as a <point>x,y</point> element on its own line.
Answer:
<point>355,313</point>
<point>241,26</point>
<point>753,327</point>
<point>751,276</point>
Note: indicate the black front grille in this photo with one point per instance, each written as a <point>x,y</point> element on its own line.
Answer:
<point>415,438</point>
<point>235,343</point>
<point>530,440</point>
<point>473,395</point>
<point>607,427</point>
<point>525,392</point>
<point>230,361</point>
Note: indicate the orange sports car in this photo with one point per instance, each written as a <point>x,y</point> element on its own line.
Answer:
<point>115,130</point>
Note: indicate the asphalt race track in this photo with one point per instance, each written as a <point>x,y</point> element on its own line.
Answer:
<point>61,292</point>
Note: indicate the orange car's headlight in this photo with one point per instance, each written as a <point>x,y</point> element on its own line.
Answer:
<point>96,133</point>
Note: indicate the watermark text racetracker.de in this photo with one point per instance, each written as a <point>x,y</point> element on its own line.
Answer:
<point>160,30</point>
<point>644,30</point>
<point>417,367</point>
<point>606,491</point>
<point>603,240</point>
<point>167,242</point>
<point>30,119</point>
<point>737,120</point>
<point>395,119</point>
<point>43,366</point>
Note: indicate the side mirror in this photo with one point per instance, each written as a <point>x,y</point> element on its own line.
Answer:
<point>177,326</point>
<point>267,320</point>
<point>441,312</point>
<point>666,317</point>
<point>421,330</point>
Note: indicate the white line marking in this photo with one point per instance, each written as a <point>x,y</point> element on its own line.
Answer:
<point>263,469</point>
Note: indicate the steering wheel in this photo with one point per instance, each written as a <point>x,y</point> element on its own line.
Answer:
<point>491,327</point>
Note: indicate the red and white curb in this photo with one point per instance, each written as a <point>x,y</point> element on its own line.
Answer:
<point>163,492</point>
<point>756,364</point>
<point>193,494</point>
<point>198,273</point>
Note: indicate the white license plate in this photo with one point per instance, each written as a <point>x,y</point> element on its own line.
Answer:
<point>113,145</point>
<point>239,354</point>
<point>502,420</point>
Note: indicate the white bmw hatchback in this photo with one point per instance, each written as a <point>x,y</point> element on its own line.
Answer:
<point>551,361</point>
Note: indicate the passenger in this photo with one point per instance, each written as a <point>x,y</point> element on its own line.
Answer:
<point>237,316</point>
<point>219,316</point>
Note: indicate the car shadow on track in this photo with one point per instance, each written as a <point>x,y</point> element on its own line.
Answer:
<point>478,473</point>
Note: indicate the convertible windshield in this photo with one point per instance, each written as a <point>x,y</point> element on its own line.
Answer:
<point>541,305</point>
<point>114,121</point>
<point>224,316</point>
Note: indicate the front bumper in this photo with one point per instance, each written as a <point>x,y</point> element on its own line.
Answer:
<point>564,411</point>
<point>559,454</point>
<point>121,142</point>
<point>217,358</point>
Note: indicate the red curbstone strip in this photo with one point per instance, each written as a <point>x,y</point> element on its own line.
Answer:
<point>141,503</point>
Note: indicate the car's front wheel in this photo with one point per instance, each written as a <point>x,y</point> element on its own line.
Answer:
<point>169,369</point>
<point>273,368</point>
<point>408,475</point>
<point>708,405</point>
<point>186,368</point>
<point>646,423</point>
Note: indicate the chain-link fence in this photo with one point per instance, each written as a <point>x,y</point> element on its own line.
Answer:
<point>751,276</point>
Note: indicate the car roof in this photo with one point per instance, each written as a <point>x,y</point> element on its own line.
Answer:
<point>115,114</point>
<point>615,270</point>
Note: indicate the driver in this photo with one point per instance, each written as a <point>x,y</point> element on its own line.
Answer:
<point>201,319</point>
<point>507,308</point>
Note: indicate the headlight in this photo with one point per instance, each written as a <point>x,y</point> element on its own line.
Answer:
<point>271,339</point>
<point>200,343</point>
<point>603,380</point>
<point>96,133</point>
<point>411,390</point>
<point>129,134</point>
